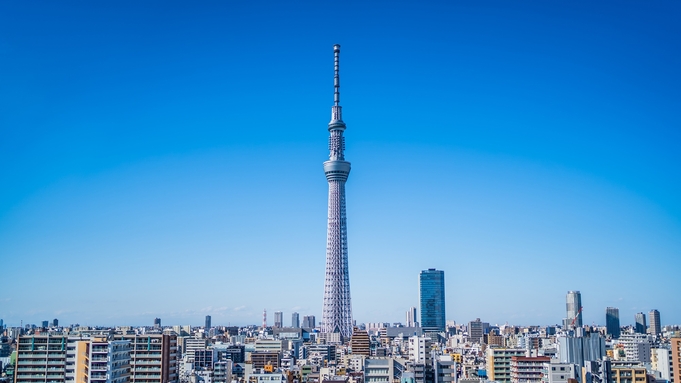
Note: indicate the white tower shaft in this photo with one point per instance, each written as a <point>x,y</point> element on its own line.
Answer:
<point>337,309</point>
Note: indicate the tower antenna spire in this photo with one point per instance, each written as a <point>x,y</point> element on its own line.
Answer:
<point>336,75</point>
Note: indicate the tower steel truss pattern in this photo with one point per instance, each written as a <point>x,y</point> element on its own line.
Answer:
<point>337,310</point>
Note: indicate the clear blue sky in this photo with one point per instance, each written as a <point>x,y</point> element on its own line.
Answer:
<point>164,159</point>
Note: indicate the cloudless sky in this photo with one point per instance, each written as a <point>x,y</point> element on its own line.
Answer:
<point>164,159</point>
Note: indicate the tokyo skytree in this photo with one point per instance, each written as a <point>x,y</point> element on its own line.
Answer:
<point>337,310</point>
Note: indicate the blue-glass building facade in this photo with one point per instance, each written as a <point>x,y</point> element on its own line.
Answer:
<point>432,296</point>
<point>612,322</point>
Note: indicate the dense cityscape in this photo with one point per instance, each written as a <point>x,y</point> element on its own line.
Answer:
<point>297,347</point>
<point>426,348</point>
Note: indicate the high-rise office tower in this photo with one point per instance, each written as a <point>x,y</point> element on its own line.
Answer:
<point>432,298</point>
<point>641,326</point>
<point>337,309</point>
<point>157,322</point>
<point>476,330</point>
<point>309,321</point>
<point>411,317</point>
<point>295,320</point>
<point>207,326</point>
<point>278,319</point>
<point>612,322</point>
<point>574,309</point>
<point>654,317</point>
<point>55,322</point>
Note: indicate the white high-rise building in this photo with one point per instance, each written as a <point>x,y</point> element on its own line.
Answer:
<point>637,347</point>
<point>661,362</point>
<point>109,361</point>
<point>419,349</point>
<point>411,317</point>
<point>574,309</point>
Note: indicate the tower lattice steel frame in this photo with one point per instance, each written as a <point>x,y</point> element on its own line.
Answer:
<point>337,310</point>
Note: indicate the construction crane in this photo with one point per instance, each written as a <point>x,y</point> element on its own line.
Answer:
<point>576,316</point>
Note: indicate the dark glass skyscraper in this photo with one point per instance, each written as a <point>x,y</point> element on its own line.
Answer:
<point>432,295</point>
<point>612,322</point>
<point>641,326</point>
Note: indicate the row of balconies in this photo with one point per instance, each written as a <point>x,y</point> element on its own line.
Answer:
<point>145,362</point>
<point>99,359</point>
<point>526,370</point>
<point>40,362</point>
<point>41,354</point>
<point>526,375</point>
<point>39,369</point>
<point>40,351</point>
<point>39,376</point>
<point>136,379</point>
<point>143,354</point>
<point>23,340</point>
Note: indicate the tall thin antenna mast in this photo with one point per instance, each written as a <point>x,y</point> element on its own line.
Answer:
<point>336,75</point>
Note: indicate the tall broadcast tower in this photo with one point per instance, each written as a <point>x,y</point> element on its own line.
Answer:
<point>337,310</point>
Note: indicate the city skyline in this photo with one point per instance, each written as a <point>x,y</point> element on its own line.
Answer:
<point>526,150</point>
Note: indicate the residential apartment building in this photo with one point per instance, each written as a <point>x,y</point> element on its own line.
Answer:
<point>153,357</point>
<point>499,363</point>
<point>360,344</point>
<point>191,345</point>
<point>629,375</point>
<point>560,373</point>
<point>378,370</point>
<point>637,347</point>
<point>444,367</point>
<point>109,361</point>
<point>419,349</point>
<point>260,359</point>
<point>42,359</point>
<point>528,369</point>
<point>676,359</point>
